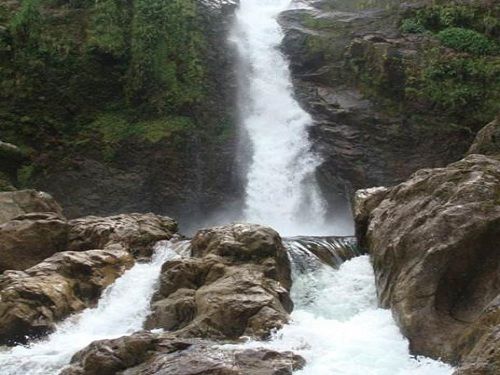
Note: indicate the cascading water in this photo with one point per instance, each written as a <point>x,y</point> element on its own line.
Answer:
<point>281,190</point>
<point>122,310</point>
<point>338,328</point>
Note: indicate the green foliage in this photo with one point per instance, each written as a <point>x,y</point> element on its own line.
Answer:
<point>107,32</point>
<point>483,19</point>
<point>467,88</point>
<point>412,26</point>
<point>165,64</point>
<point>466,40</point>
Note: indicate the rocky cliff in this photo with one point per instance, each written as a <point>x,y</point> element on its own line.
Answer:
<point>390,87</point>
<point>434,241</point>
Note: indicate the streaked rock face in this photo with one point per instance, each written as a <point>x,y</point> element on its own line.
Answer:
<point>32,301</point>
<point>434,241</point>
<point>237,283</point>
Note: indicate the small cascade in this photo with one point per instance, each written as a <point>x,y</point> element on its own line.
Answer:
<point>310,253</point>
<point>122,310</point>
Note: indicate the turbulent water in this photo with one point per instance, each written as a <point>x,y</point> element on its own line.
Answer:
<point>121,310</point>
<point>281,189</point>
<point>337,327</point>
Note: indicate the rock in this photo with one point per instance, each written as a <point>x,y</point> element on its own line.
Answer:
<point>487,141</point>
<point>32,301</point>
<point>365,201</point>
<point>434,244</point>
<point>136,233</point>
<point>147,353</point>
<point>29,239</point>
<point>349,64</point>
<point>11,159</point>
<point>22,202</point>
<point>240,274</point>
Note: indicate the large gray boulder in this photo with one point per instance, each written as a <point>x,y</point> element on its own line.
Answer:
<point>237,283</point>
<point>146,353</point>
<point>136,233</point>
<point>29,239</point>
<point>435,245</point>
<point>487,140</point>
<point>32,301</point>
<point>16,203</point>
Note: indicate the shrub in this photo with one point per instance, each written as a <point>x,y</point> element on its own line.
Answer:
<point>412,26</point>
<point>466,40</point>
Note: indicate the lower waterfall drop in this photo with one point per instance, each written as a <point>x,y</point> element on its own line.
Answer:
<point>121,310</point>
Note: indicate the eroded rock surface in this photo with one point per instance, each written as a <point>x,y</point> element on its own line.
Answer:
<point>487,141</point>
<point>31,238</point>
<point>136,233</point>
<point>32,301</point>
<point>22,202</point>
<point>147,353</point>
<point>237,283</point>
<point>434,241</point>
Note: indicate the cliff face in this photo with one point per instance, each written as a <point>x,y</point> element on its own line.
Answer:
<point>121,105</point>
<point>389,88</point>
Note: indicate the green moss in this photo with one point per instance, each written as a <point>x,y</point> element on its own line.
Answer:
<point>467,40</point>
<point>24,175</point>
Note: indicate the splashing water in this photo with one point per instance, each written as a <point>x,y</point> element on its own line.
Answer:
<point>281,189</point>
<point>337,327</point>
<point>122,309</point>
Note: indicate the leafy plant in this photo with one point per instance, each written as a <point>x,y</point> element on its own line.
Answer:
<point>466,40</point>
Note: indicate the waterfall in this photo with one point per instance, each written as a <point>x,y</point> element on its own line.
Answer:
<point>121,310</point>
<point>281,190</point>
<point>337,326</point>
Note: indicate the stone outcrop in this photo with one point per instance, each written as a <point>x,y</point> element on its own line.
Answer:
<point>351,66</point>
<point>434,241</point>
<point>148,353</point>
<point>237,283</point>
<point>487,141</point>
<point>11,159</point>
<point>32,301</point>
<point>29,239</point>
<point>136,233</point>
<point>22,202</point>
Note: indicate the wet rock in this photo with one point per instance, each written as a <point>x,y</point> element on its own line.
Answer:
<point>487,141</point>
<point>11,159</point>
<point>29,239</point>
<point>147,353</point>
<point>365,201</point>
<point>349,63</point>
<point>136,233</point>
<point>237,284</point>
<point>22,202</point>
<point>32,301</point>
<point>434,244</point>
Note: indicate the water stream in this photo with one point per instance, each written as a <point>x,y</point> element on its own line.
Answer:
<point>121,310</point>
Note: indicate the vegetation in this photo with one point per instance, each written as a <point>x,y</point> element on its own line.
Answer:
<point>86,73</point>
<point>467,40</point>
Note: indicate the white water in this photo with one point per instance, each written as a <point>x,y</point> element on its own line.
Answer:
<point>337,327</point>
<point>122,310</point>
<point>281,190</point>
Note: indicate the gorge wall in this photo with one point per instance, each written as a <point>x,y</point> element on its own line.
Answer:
<point>392,86</point>
<point>120,106</point>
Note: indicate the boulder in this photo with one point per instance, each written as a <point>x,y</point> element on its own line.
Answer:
<point>136,233</point>
<point>239,274</point>
<point>487,140</point>
<point>147,353</point>
<point>434,241</point>
<point>16,203</point>
<point>29,239</point>
<point>32,301</point>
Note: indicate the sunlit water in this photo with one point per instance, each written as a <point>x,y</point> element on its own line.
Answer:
<point>281,189</point>
<point>337,327</point>
<point>121,310</point>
